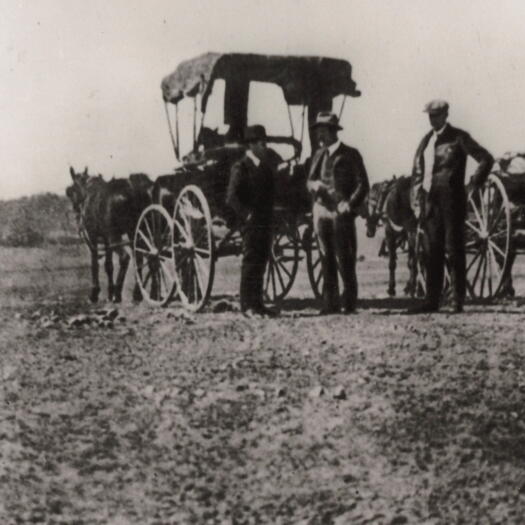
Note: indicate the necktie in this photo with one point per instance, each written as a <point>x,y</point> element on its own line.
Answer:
<point>429,155</point>
<point>323,162</point>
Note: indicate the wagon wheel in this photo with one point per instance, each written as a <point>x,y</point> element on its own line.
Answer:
<point>153,255</point>
<point>488,236</point>
<point>421,277</point>
<point>313,262</point>
<point>194,248</point>
<point>283,263</point>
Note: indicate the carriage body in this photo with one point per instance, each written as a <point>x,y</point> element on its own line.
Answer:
<point>179,238</point>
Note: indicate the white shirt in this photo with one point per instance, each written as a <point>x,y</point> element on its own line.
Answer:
<point>429,155</point>
<point>256,160</point>
<point>333,147</point>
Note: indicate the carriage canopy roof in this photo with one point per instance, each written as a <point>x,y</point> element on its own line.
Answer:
<point>302,78</point>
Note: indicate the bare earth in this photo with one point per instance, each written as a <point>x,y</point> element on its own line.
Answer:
<point>160,417</point>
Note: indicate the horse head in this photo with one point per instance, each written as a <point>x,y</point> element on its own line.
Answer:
<point>78,191</point>
<point>375,207</point>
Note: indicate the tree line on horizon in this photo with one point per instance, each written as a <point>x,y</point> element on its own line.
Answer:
<point>36,220</point>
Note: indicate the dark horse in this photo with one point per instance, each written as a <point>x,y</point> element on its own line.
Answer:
<point>389,204</point>
<point>105,212</point>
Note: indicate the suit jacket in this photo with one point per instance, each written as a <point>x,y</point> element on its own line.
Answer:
<point>345,177</point>
<point>452,148</point>
<point>251,189</point>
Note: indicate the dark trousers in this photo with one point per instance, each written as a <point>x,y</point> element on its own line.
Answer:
<point>444,225</point>
<point>338,245</point>
<point>256,249</point>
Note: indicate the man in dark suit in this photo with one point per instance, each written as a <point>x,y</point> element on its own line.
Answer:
<point>439,199</point>
<point>339,184</point>
<point>251,196</point>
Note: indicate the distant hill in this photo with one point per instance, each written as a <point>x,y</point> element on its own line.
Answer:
<point>36,220</point>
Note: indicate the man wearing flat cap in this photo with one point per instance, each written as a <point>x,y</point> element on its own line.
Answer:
<point>251,195</point>
<point>439,199</point>
<point>339,184</point>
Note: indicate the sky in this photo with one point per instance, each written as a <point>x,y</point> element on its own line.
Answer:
<point>81,80</point>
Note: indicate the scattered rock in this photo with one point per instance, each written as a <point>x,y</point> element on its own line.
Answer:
<point>280,391</point>
<point>338,392</point>
<point>316,392</point>
<point>78,320</point>
<point>224,305</point>
<point>108,314</point>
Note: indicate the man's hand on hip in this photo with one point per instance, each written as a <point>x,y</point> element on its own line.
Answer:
<point>344,207</point>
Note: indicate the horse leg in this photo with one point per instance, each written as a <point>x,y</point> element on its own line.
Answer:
<point>383,251</point>
<point>95,284</point>
<point>123,268</point>
<point>139,261</point>
<point>507,287</point>
<point>410,288</point>
<point>392,258</point>
<point>108,264</point>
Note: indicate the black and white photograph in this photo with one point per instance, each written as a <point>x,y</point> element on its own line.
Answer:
<point>262,262</point>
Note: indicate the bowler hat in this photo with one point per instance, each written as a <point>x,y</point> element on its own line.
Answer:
<point>436,106</point>
<point>255,133</point>
<point>326,118</point>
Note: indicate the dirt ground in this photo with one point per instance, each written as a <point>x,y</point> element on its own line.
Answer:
<point>153,416</point>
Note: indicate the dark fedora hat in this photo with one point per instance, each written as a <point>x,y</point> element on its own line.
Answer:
<point>255,133</point>
<point>326,118</point>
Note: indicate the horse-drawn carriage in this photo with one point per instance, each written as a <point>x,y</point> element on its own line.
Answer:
<point>179,238</point>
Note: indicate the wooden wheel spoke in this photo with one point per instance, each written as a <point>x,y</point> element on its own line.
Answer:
<point>489,277</point>
<point>281,264</point>
<point>475,228</point>
<point>146,240</point>
<point>318,278</point>
<point>142,250</point>
<point>272,274</point>
<point>471,263</point>
<point>142,264</point>
<point>147,277</point>
<point>470,244</point>
<point>162,281</point>
<point>495,247</point>
<point>483,275</point>
<point>166,264</point>
<point>475,210</point>
<point>280,277</point>
<point>203,252</point>
<point>198,280</point>
<point>476,275</point>
<point>201,265</point>
<point>181,229</point>
<point>268,271</point>
<point>146,224</point>
<point>495,222</point>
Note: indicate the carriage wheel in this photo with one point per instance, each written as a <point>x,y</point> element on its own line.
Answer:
<point>153,255</point>
<point>282,265</point>
<point>488,231</point>
<point>313,262</point>
<point>194,248</point>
